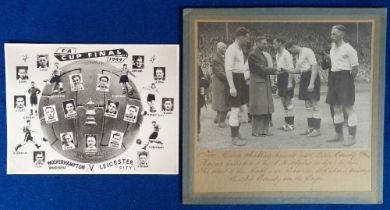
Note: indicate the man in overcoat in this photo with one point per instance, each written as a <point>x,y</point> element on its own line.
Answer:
<point>261,104</point>
<point>220,86</point>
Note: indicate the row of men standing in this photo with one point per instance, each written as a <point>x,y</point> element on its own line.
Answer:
<point>232,71</point>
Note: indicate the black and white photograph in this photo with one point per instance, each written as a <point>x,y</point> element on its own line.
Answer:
<point>67,141</point>
<point>131,113</point>
<point>103,83</point>
<point>27,137</point>
<point>153,137</point>
<point>34,92</point>
<point>124,80</point>
<point>285,105</point>
<point>69,108</point>
<point>167,104</point>
<point>76,82</point>
<point>90,143</point>
<point>50,113</point>
<point>151,92</point>
<point>39,158</point>
<point>159,73</point>
<point>20,103</point>
<point>22,73</point>
<point>284,85</point>
<point>88,107</point>
<point>138,61</point>
<point>111,109</point>
<point>143,159</point>
<point>115,140</point>
<point>42,61</point>
<point>55,78</point>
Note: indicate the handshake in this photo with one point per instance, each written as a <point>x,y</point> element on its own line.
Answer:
<point>281,70</point>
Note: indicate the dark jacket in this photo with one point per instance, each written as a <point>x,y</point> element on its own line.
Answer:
<point>203,83</point>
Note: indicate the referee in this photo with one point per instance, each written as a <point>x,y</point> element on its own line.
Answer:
<point>235,67</point>
<point>309,86</point>
<point>341,92</point>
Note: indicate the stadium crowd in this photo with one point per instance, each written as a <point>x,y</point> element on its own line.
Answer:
<point>312,35</point>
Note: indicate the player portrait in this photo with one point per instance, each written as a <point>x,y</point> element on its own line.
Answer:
<point>76,82</point>
<point>67,141</point>
<point>21,73</point>
<point>111,109</point>
<point>115,140</point>
<point>103,83</point>
<point>69,109</point>
<point>143,159</point>
<point>131,113</point>
<point>159,73</point>
<point>39,158</point>
<point>138,61</point>
<point>90,143</point>
<point>167,104</point>
<point>50,113</point>
<point>20,103</point>
<point>42,61</point>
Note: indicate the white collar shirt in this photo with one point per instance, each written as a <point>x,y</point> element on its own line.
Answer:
<point>284,60</point>
<point>343,57</point>
<point>305,59</point>
<point>234,59</point>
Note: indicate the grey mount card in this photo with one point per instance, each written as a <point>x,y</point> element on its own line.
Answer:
<point>283,105</point>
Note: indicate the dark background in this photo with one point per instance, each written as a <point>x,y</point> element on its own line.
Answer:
<point>105,21</point>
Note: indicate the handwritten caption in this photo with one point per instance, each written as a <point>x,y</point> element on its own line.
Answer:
<point>281,168</point>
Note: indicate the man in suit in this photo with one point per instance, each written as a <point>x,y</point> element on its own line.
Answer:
<point>220,86</point>
<point>261,104</point>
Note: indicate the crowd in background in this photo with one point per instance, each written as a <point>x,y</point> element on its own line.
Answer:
<point>312,35</point>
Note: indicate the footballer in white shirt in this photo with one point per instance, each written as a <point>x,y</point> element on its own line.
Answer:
<point>309,86</point>
<point>341,83</point>
<point>235,68</point>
